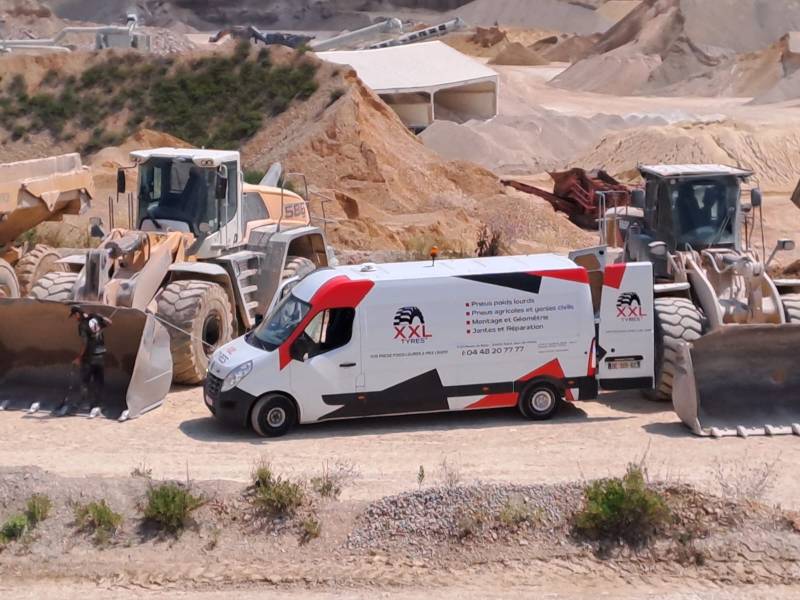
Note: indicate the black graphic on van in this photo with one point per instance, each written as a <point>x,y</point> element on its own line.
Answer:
<point>409,326</point>
<point>407,315</point>
<point>629,306</point>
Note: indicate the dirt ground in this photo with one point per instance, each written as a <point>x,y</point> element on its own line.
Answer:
<point>586,440</point>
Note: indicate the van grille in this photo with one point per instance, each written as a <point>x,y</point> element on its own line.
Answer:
<point>213,386</point>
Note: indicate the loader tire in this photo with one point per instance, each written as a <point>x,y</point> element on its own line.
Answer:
<point>36,264</point>
<point>677,320</point>
<point>9,286</point>
<point>56,287</point>
<point>297,266</point>
<point>201,320</point>
<point>791,305</point>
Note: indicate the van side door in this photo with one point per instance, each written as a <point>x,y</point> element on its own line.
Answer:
<point>326,365</point>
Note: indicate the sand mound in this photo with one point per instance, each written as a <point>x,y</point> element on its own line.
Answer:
<point>519,55</point>
<point>772,152</point>
<point>658,49</point>
<point>565,47</point>
<point>517,145</point>
<point>390,191</point>
<point>546,14</point>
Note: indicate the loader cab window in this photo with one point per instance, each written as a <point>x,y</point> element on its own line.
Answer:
<point>328,330</point>
<point>281,323</point>
<point>704,214</point>
<point>177,190</point>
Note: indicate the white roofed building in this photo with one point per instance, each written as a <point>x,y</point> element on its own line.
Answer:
<point>426,81</point>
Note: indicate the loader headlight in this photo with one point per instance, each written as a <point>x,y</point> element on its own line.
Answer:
<point>235,376</point>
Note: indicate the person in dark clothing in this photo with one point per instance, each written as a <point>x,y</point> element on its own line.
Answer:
<point>91,359</point>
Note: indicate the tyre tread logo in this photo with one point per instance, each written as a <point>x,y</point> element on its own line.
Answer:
<point>407,315</point>
<point>409,326</point>
<point>629,307</point>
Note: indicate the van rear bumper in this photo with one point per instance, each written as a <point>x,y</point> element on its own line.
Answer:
<point>232,407</point>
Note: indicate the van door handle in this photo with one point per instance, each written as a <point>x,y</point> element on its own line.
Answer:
<point>347,365</point>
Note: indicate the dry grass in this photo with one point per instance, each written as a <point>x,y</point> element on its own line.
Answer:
<point>743,482</point>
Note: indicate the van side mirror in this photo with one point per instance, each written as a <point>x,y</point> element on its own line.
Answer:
<point>300,347</point>
<point>755,197</point>
<point>637,198</point>
<point>120,181</point>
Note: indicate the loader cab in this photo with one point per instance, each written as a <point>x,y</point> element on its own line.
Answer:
<point>192,191</point>
<point>688,207</point>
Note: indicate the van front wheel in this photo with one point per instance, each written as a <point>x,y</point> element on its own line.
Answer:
<point>273,415</point>
<point>539,401</point>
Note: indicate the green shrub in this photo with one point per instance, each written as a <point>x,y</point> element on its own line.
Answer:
<point>38,509</point>
<point>310,529</point>
<point>14,528</point>
<point>279,497</point>
<point>98,519</point>
<point>214,100</point>
<point>169,506</point>
<point>261,474</point>
<point>622,510</point>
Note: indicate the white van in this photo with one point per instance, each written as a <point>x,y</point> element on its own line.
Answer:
<point>418,337</point>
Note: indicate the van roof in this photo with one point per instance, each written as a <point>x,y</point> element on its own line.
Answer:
<point>440,268</point>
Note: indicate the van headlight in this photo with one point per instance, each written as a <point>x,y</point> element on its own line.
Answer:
<point>235,376</point>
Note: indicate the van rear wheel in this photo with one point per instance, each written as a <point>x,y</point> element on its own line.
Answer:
<point>273,415</point>
<point>539,401</point>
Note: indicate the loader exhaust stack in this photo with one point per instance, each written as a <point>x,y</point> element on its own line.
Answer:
<point>39,344</point>
<point>740,380</point>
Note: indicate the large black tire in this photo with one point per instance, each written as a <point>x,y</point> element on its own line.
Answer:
<point>677,320</point>
<point>36,264</point>
<point>201,320</point>
<point>791,304</point>
<point>9,286</point>
<point>56,286</point>
<point>539,401</point>
<point>273,415</point>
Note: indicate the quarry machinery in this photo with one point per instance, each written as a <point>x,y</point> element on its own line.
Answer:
<point>726,332</point>
<point>582,195</point>
<point>32,192</point>
<point>203,259</point>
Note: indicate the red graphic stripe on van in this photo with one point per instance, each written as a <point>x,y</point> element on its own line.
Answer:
<point>577,275</point>
<point>337,292</point>
<point>552,369</point>
<point>613,276</point>
<point>495,401</point>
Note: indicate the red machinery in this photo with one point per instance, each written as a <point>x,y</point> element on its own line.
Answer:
<point>582,195</point>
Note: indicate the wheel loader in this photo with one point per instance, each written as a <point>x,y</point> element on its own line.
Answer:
<point>204,257</point>
<point>32,192</point>
<point>727,333</point>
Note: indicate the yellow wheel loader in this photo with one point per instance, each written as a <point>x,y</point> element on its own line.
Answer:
<point>32,192</point>
<point>727,334</point>
<point>203,259</point>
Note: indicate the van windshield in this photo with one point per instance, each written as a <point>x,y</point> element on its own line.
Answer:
<point>276,329</point>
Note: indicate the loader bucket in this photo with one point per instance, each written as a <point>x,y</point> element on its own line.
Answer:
<point>38,343</point>
<point>741,380</point>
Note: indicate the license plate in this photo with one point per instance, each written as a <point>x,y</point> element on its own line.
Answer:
<point>625,364</point>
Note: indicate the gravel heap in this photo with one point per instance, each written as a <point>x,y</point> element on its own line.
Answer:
<point>432,516</point>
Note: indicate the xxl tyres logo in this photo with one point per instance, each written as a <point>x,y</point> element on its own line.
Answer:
<point>629,307</point>
<point>410,327</point>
